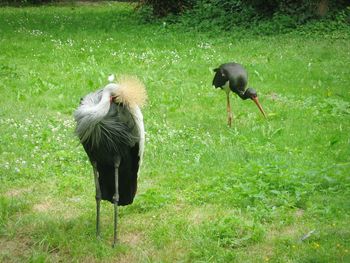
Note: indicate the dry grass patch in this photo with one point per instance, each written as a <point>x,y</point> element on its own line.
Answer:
<point>67,210</point>
<point>12,250</point>
<point>17,192</point>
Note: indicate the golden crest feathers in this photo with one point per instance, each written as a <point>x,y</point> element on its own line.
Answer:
<point>131,91</point>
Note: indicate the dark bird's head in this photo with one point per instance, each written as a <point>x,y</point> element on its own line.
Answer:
<point>251,93</point>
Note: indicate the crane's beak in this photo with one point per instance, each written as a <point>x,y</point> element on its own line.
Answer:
<point>255,99</point>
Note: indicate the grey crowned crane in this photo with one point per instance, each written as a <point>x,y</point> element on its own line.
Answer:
<point>233,77</point>
<point>110,128</point>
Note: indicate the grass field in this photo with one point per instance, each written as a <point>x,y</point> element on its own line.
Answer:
<point>274,190</point>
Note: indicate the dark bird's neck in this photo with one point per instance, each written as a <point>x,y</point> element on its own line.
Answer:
<point>242,95</point>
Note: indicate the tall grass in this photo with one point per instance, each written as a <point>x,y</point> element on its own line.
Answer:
<point>207,193</point>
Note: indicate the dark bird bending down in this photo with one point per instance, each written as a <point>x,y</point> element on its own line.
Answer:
<point>233,77</point>
<point>110,128</point>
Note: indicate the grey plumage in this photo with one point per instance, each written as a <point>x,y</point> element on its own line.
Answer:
<point>91,112</point>
<point>110,128</point>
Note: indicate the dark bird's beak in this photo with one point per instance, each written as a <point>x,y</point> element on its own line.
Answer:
<point>255,99</point>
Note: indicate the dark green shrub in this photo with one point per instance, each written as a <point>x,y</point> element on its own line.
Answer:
<point>305,9</point>
<point>219,14</point>
<point>25,2</point>
<point>262,17</point>
<point>162,8</point>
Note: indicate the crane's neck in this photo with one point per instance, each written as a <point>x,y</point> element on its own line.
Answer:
<point>96,111</point>
<point>101,109</point>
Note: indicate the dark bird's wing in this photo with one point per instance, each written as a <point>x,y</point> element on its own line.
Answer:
<point>220,78</point>
<point>237,76</point>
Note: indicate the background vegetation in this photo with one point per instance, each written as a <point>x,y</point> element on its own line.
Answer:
<point>263,17</point>
<point>274,190</point>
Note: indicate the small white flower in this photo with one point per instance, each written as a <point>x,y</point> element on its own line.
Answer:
<point>111,78</point>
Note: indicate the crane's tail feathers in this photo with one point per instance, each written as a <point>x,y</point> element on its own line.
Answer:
<point>131,92</point>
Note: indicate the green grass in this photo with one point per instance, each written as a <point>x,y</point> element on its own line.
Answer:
<point>207,193</point>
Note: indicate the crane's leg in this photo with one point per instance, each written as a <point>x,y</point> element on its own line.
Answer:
<point>98,199</point>
<point>116,199</point>
<point>228,109</point>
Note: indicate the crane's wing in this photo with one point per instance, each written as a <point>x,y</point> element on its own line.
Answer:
<point>119,134</point>
<point>138,117</point>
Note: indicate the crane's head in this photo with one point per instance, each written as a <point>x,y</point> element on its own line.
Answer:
<point>129,91</point>
<point>111,90</point>
<point>253,95</point>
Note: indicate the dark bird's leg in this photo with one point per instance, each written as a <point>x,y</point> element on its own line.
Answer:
<point>116,199</point>
<point>228,109</point>
<point>98,199</point>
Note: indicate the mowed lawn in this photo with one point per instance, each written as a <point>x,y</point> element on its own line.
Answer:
<point>274,190</point>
